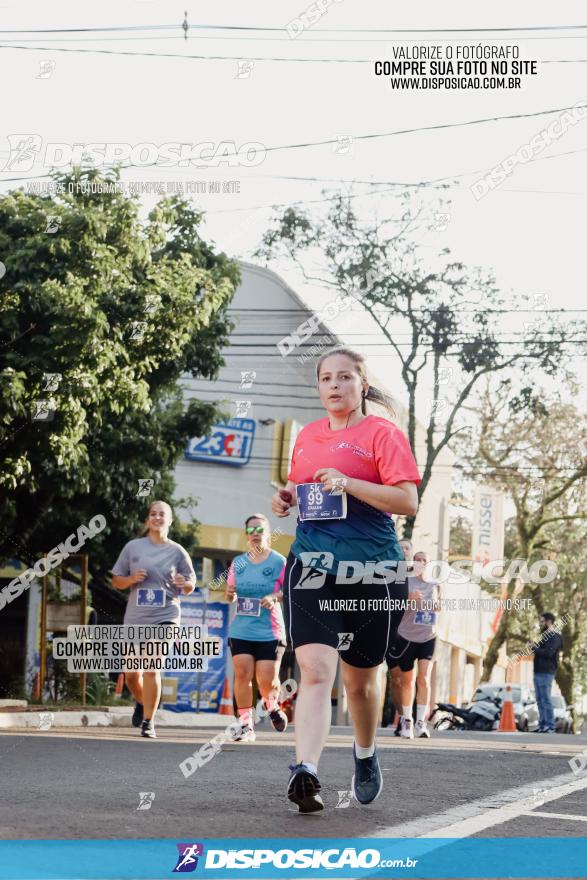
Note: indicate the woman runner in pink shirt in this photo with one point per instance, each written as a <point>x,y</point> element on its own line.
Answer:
<point>342,592</point>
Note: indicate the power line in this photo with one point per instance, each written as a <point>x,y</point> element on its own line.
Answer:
<point>259,354</point>
<point>439,126</point>
<point>308,39</point>
<point>415,311</point>
<point>435,183</point>
<point>252,393</point>
<point>95,30</point>
<point>276,334</point>
<point>260,462</point>
<point>195,386</point>
<point>409,345</point>
<point>183,55</point>
<point>190,56</point>
<point>264,29</point>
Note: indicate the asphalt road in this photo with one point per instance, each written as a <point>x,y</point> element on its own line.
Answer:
<point>88,783</point>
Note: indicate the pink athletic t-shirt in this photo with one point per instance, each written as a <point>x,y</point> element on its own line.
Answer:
<point>374,450</point>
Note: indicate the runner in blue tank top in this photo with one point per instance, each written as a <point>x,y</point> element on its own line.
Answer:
<point>257,630</point>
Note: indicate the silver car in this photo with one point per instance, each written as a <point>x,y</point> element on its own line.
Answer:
<point>562,715</point>
<point>525,707</point>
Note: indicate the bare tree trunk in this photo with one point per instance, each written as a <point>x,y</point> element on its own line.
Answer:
<point>565,674</point>
<point>494,646</point>
<point>408,526</point>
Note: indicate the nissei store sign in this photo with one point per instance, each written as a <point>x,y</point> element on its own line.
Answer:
<point>229,443</point>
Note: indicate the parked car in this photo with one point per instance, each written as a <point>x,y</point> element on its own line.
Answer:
<point>562,714</point>
<point>525,707</point>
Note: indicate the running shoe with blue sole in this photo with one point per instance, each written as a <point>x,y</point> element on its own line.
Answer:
<point>367,782</point>
<point>303,788</point>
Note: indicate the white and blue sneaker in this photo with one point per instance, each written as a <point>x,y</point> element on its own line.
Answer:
<point>246,735</point>
<point>367,782</point>
<point>421,730</point>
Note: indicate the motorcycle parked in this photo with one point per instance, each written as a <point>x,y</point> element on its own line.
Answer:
<point>483,715</point>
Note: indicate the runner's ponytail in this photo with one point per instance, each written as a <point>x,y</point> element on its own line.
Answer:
<point>376,396</point>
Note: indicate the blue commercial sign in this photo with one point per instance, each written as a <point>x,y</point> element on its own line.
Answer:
<point>229,443</point>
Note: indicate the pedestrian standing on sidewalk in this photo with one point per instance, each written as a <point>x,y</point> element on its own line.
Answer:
<point>546,651</point>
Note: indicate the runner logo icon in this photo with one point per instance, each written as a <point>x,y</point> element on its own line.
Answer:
<point>187,861</point>
<point>344,799</point>
<point>315,569</point>
<point>344,641</point>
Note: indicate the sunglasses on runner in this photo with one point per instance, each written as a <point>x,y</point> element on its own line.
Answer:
<point>250,530</point>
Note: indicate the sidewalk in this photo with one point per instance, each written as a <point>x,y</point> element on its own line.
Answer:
<point>40,718</point>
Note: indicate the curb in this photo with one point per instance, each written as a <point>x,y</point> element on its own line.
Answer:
<point>119,717</point>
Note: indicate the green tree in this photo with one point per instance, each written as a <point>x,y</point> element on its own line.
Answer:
<point>117,310</point>
<point>535,452</point>
<point>564,542</point>
<point>440,318</point>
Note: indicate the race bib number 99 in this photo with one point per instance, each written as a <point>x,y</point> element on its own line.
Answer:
<point>314,502</point>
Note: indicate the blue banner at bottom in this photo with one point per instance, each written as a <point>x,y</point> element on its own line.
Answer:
<point>227,859</point>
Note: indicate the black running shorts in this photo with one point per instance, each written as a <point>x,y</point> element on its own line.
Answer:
<point>404,654</point>
<point>270,650</point>
<point>359,620</point>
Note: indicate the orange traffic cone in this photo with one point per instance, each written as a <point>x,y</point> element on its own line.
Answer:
<point>226,707</point>
<point>507,719</point>
<point>119,686</point>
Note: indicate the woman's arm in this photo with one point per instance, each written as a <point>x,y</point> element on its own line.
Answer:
<point>402,498</point>
<point>187,584</point>
<point>283,499</point>
<point>123,583</point>
<point>271,599</point>
<point>185,576</point>
<point>230,594</point>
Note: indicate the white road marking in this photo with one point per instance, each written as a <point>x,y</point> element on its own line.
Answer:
<point>476,816</point>
<point>569,816</point>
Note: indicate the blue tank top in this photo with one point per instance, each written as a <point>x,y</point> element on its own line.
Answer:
<point>253,580</point>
